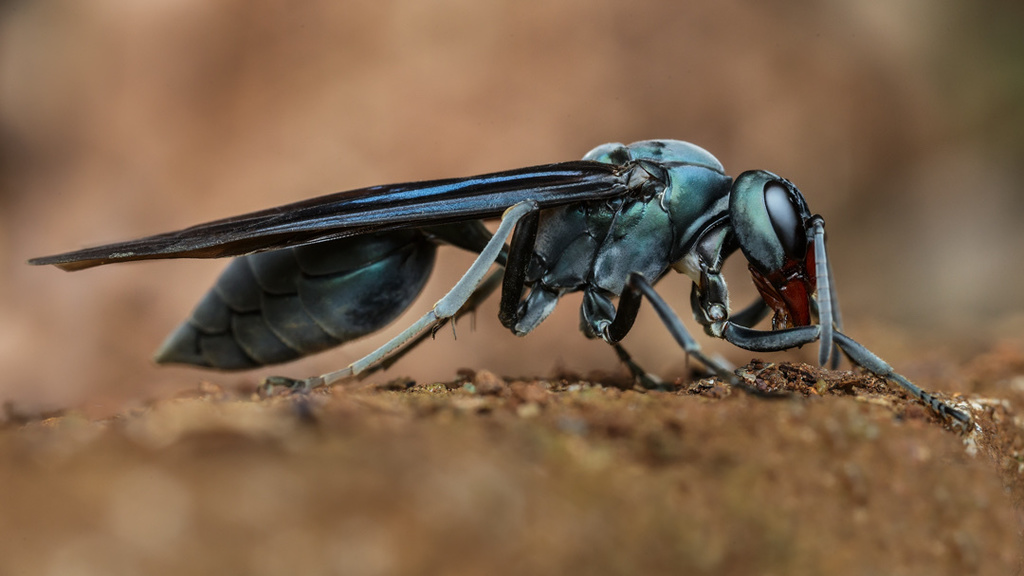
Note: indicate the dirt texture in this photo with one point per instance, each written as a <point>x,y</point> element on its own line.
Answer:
<point>818,472</point>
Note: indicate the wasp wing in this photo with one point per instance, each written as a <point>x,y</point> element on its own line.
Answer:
<point>353,212</point>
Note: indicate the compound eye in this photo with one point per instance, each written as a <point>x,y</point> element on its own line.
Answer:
<point>786,220</point>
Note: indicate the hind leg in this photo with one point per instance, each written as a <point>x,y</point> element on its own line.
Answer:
<point>447,307</point>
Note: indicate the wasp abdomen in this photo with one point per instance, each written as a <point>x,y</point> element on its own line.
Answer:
<point>277,306</point>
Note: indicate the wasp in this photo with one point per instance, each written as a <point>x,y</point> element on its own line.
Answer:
<point>320,272</point>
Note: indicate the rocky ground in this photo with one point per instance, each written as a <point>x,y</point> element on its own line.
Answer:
<point>820,472</point>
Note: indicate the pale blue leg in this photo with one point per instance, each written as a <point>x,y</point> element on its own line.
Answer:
<point>447,306</point>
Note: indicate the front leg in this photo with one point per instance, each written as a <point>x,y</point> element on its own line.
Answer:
<point>864,357</point>
<point>777,340</point>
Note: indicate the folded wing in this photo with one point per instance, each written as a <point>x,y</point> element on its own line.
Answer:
<point>378,208</point>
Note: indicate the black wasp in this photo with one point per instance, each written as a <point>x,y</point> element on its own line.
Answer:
<point>320,272</point>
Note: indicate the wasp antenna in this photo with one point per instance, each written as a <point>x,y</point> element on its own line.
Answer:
<point>837,318</point>
<point>823,274</point>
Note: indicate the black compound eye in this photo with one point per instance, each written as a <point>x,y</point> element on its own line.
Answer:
<point>786,220</point>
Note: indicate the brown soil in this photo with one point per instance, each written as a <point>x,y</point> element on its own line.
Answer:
<point>820,473</point>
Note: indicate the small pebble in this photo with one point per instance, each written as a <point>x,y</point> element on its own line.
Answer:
<point>488,383</point>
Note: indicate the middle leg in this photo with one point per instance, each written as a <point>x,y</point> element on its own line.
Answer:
<point>637,288</point>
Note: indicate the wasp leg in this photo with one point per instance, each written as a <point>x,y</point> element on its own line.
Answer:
<point>770,340</point>
<point>625,315</point>
<point>471,235</point>
<point>864,357</point>
<point>759,310</point>
<point>447,306</point>
<point>474,237</point>
<point>636,288</point>
<point>482,293</point>
<point>644,378</point>
<point>773,341</point>
<point>520,251</point>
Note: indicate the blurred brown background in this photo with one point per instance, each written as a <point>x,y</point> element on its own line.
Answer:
<point>902,122</point>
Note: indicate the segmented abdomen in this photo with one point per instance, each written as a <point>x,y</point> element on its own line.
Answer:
<point>277,306</point>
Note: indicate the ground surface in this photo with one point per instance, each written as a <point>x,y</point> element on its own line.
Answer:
<point>828,473</point>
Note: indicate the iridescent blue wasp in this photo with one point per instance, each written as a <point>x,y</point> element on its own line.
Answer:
<point>321,272</point>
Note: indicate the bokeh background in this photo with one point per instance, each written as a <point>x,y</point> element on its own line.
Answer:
<point>902,122</point>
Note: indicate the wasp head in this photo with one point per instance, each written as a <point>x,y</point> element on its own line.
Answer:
<point>776,233</point>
